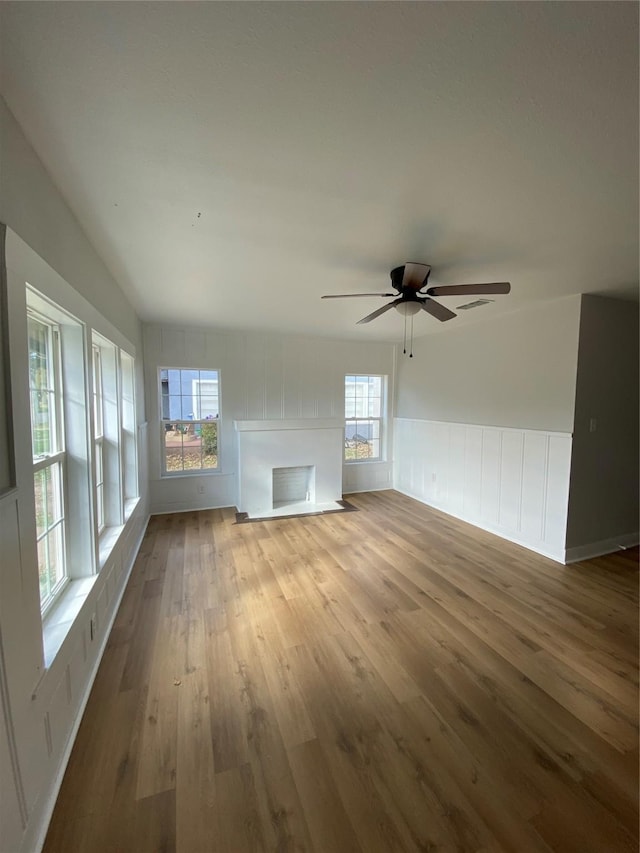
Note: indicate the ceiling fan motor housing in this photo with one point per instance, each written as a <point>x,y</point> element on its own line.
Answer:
<point>397,278</point>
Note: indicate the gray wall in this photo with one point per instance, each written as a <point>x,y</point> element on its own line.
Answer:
<point>603,494</point>
<point>517,371</point>
<point>31,205</point>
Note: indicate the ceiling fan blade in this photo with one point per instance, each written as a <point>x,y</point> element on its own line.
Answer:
<point>380,311</point>
<point>464,289</point>
<point>415,275</point>
<point>436,310</point>
<point>350,295</point>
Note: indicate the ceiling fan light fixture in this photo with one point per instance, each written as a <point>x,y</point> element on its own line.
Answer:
<point>408,308</point>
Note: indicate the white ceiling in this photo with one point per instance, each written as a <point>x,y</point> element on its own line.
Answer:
<point>231,162</point>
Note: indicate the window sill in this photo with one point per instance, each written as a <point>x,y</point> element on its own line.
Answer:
<point>106,543</point>
<point>58,621</point>
<point>363,461</point>
<point>129,505</point>
<point>110,535</point>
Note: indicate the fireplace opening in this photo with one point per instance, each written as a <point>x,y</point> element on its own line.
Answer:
<point>293,485</point>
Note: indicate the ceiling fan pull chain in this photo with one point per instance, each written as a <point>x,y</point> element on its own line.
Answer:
<point>404,339</point>
<point>411,344</point>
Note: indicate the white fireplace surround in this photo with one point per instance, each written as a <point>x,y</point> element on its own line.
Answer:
<point>295,442</point>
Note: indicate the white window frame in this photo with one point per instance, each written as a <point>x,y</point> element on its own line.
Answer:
<point>380,419</point>
<point>53,461</point>
<point>128,431</point>
<point>187,424</point>
<point>98,436</point>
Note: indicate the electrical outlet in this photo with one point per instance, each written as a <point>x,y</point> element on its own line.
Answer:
<point>433,476</point>
<point>201,490</point>
<point>593,425</point>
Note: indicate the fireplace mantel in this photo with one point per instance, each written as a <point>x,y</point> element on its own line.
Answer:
<point>291,442</point>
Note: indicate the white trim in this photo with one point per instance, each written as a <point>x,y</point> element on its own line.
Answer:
<point>29,842</point>
<point>48,459</point>
<point>289,423</point>
<point>604,546</point>
<point>487,426</point>
<point>183,507</point>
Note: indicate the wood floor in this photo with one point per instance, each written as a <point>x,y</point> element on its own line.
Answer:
<point>383,680</point>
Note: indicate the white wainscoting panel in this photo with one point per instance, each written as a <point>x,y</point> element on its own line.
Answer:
<point>366,477</point>
<point>512,482</point>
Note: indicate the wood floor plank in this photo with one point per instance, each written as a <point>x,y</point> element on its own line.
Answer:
<point>158,737</point>
<point>390,679</point>
<point>196,793</point>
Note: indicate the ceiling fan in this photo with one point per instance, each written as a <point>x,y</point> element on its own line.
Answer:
<point>409,280</point>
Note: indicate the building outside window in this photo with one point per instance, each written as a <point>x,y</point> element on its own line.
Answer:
<point>189,414</point>
<point>364,416</point>
<point>47,441</point>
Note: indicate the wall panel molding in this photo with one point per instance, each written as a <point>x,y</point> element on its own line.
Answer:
<point>512,482</point>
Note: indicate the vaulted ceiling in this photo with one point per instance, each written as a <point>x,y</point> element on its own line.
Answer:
<point>232,162</point>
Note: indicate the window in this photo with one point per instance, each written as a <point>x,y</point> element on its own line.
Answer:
<point>98,435</point>
<point>129,446</point>
<point>189,414</point>
<point>107,433</point>
<point>45,392</point>
<point>363,404</point>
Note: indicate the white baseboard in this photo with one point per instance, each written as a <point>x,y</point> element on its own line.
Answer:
<point>34,837</point>
<point>604,546</point>
<point>189,508</point>
<point>386,488</point>
<point>496,531</point>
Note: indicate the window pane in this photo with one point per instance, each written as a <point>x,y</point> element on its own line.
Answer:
<point>362,439</point>
<point>349,386</point>
<point>350,430</point>
<point>173,440</point>
<point>50,563</point>
<point>56,562</point>
<point>43,570</point>
<point>208,407</point>
<point>174,410</point>
<point>350,407</point>
<point>191,447</point>
<point>41,423</point>
<point>375,386</point>
<point>189,408</point>
<point>39,367</point>
<point>98,457</point>
<point>374,407</point>
<point>54,494</point>
<point>209,376</point>
<point>209,438</point>
<point>39,485</point>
